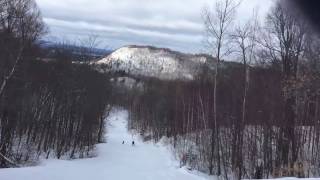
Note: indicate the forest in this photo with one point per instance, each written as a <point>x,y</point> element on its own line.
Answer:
<point>258,117</point>
<point>47,109</point>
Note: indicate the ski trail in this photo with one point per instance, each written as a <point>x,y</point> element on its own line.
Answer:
<point>115,161</point>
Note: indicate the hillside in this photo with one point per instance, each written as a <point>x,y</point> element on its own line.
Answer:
<point>155,62</point>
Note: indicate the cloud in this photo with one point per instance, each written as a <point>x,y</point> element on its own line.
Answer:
<point>175,24</point>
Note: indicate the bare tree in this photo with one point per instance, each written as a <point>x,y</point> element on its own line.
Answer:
<point>21,25</point>
<point>217,24</point>
<point>285,44</point>
<point>88,46</point>
<point>244,37</point>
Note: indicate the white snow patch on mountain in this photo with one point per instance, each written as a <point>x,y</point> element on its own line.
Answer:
<point>155,62</point>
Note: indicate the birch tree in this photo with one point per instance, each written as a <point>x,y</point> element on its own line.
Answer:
<point>218,23</point>
<point>244,38</point>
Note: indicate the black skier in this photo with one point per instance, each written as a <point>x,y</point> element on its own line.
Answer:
<point>258,173</point>
<point>132,143</point>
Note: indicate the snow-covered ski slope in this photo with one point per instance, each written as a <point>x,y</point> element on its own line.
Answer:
<point>114,161</point>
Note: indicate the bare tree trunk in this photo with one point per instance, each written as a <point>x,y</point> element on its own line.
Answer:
<point>11,73</point>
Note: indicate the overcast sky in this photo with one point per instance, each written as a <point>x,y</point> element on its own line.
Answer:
<point>175,24</point>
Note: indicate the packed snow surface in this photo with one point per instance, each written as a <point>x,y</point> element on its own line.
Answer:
<point>114,161</point>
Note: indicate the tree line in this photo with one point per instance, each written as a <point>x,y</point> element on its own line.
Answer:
<point>47,109</point>
<point>258,118</point>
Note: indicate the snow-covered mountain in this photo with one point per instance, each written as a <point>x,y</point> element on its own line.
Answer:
<point>155,62</point>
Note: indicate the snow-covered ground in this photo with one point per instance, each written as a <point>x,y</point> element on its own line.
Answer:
<point>114,161</point>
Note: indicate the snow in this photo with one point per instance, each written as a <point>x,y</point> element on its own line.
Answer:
<point>115,161</point>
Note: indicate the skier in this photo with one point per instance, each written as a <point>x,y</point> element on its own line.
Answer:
<point>122,142</point>
<point>259,170</point>
<point>258,173</point>
<point>300,171</point>
<point>183,160</point>
<point>132,143</point>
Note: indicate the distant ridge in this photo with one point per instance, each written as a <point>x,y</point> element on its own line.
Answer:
<point>150,61</point>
